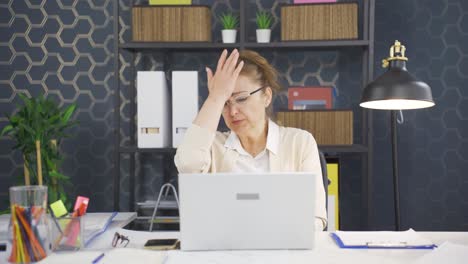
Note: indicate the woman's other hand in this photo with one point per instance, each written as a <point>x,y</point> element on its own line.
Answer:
<point>221,84</point>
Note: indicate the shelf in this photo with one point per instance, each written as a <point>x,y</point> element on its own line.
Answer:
<point>166,204</point>
<point>183,46</point>
<point>146,150</point>
<point>356,148</point>
<point>193,46</point>
<point>160,219</point>
<point>325,44</point>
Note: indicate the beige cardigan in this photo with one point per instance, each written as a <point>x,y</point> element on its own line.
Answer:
<point>203,151</point>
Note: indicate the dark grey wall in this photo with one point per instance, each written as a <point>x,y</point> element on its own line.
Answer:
<point>65,49</point>
<point>432,143</point>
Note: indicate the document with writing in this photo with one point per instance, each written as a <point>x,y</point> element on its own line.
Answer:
<point>382,239</point>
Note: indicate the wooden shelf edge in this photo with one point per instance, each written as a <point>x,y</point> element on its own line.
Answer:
<point>355,148</point>
<point>271,45</point>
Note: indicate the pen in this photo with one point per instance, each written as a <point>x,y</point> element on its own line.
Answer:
<point>96,260</point>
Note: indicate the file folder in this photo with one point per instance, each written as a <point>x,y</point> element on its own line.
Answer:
<point>381,240</point>
<point>333,196</point>
<point>153,110</point>
<point>184,103</point>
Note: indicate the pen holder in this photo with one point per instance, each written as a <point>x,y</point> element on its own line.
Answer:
<point>28,230</point>
<point>67,233</point>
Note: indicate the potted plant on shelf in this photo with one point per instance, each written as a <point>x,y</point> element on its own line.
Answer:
<point>230,22</point>
<point>38,128</point>
<point>264,20</point>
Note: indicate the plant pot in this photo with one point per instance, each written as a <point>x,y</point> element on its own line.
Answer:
<point>263,35</point>
<point>229,35</point>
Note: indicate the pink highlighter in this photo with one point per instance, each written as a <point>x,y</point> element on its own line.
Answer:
<point>81,200</point>
<point>80,207</point>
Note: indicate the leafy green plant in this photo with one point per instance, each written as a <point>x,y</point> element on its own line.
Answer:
<point>264,20</point>
<point>229,20</point>
<point>41,119</point>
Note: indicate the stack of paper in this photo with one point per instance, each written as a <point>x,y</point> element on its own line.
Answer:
<point>381,239</point>
<point>96,225</point>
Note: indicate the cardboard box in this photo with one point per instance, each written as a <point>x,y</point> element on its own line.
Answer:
<point>326,21</point>
<point>329,127</point>
<point>171,24</point>
<point>170,2</point>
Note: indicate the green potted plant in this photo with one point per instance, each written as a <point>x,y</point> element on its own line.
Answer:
<point>38,129</point>
<point>264,20</point>
<point>230,22</point>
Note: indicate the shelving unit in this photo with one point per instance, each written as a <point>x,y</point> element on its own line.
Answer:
<point>366,44</point>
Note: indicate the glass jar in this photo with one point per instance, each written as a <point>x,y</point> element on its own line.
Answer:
<point>28,229</point>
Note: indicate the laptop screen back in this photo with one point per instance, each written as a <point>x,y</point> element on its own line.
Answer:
<point>225,211</point>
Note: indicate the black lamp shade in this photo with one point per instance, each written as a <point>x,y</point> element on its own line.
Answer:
<point>397,89</point>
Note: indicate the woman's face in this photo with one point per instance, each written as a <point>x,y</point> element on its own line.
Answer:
<point>245,113</point>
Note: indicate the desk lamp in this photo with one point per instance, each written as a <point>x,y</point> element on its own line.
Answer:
<point>396,90</point>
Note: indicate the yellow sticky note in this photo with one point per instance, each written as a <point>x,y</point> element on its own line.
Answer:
<point>58,208</point>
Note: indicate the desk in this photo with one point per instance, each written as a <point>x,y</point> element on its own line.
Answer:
<point>326,250</point>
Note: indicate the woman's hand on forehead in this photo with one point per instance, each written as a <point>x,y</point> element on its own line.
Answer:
<point>221,84</point>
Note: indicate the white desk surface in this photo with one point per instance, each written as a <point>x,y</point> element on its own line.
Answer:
<point>326,250</point>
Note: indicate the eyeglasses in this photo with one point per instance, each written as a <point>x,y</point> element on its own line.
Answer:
<point>120,240</point>
<point>241,98</point>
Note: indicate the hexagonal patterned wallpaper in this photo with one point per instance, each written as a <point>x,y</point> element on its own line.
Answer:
<point>65,49</point>
<point>432,143</point>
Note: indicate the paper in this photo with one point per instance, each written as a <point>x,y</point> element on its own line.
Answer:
<point>407,238</point>
<point>445,253</point>
<point>96,221</point>
<point>71,257</point>
<point>131,255</point>
<point>114,256</point>
<point>322,256</point>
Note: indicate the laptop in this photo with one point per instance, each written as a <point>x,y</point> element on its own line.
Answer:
<point>240,211</point>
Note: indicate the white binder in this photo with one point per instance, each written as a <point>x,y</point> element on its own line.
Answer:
<point>154,130</point>
<point>184,103</point>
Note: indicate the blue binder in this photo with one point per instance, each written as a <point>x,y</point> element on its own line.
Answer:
<point>370,245</point>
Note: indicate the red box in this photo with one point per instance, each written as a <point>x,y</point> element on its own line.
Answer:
<point>317,96</point>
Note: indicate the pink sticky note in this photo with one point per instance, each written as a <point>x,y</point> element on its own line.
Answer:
<point>81,200</point>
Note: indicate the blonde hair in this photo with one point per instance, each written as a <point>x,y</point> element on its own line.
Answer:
<point>258,69</point>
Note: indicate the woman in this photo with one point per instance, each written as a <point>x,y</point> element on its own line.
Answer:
<point>241,90</point>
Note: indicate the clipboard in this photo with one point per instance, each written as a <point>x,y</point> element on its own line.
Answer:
<point>380,245</point>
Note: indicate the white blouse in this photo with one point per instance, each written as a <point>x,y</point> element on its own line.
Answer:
<point>261,162</point>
